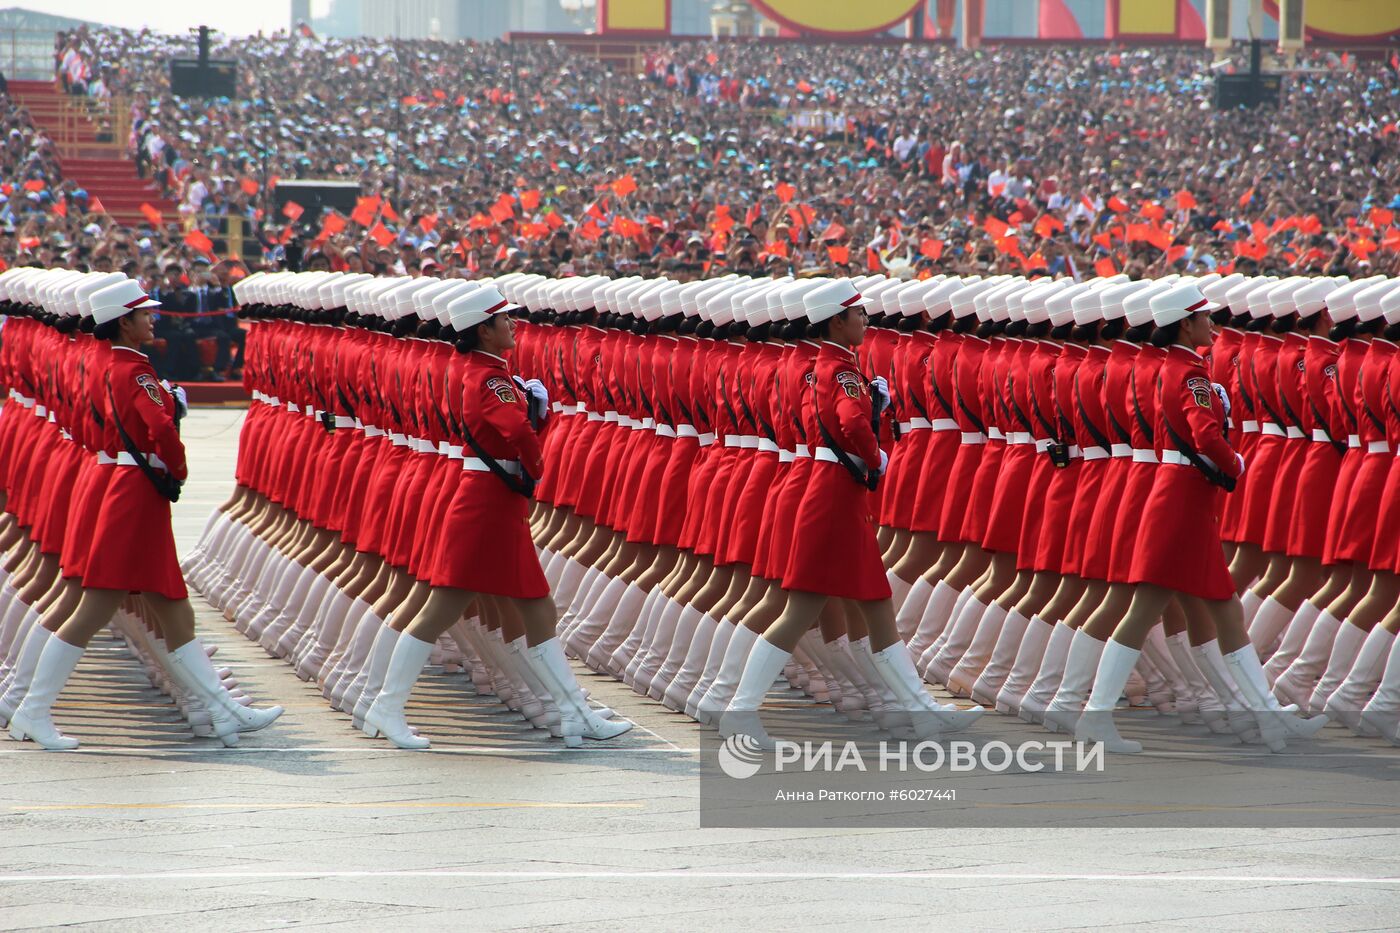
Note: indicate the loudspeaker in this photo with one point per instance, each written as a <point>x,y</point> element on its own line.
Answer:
<point>218,79</point>
<point>1241,91</point>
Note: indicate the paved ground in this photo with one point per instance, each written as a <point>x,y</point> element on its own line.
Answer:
<point>311,824</point>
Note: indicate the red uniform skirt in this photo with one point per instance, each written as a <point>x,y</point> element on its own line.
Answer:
<point>1233,509</point>
<point>834,551</point>
<point>378,501</point>
<point>557,438</point>
<point>933,476</point>
<point>1285,498</point>
<point>641,522</point>
<point>902,478</point>
<point>1127,515</point>
<point>88,492</point>
<point>62,482</point>
<point>603,449</point>
<point>331,479</point>
<point>984,485</point>
<point>484,545</point>
<point>1054,525</point>
<point>574,453</point>
<point>698,493</point>
<point>1178,538</point>
<point>1307,526</point>
<point>440,489</point>
<point>1097,561</point>
<point>1038,487</point>
<point>1261,469</point>
<point>616,508</point>
<point>1357,535</point>
<point>1008,505</point>
<point>133,546</point>
<point>1341,496</point>
<point>715,492</point>
<point>739,477</point>
<point>674,493</point>
<point>953,513</point>
<point>1385,552</point>
<point>1081,516</point>
<point>355,502</point>
<point>775,549</point>
<point>408,517</point>
<point>758,489</point>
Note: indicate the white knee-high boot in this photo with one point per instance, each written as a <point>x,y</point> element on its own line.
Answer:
<point>1096,724</point>
<point>1029,653</point>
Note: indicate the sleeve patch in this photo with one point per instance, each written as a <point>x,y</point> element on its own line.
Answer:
<point>850,383</point>
<point>1331,372</point>
<point>152,387</point>
<point>504,389</point>
<point>1200,390</point>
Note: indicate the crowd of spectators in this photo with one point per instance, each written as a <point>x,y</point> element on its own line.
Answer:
<point>705,158</point>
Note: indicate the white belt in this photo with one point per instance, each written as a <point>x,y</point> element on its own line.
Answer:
<point>972,437</point>
<point>1378,447</point>
<point>51,418</point>
<point>829,455</point>
<point>372,431</point>
<point>1353,440</point>
<point>454,452</point>
<point>802,452</point>
<point>274,401</point>
<point>707,438</point>
<point>611,416</point>
<point>40,411</point>
<point>1094,453</point>
<point>749,441</point>
<point>398,440</point>
<point>1121,450</point>
<point>945,424</point>
<point>1179,458</point>
<point>478,465</point>
<point>625,421</point>
<point>126,459</point>
<point>733,440</point>
<point>104,458</point>
<point>765,444</point>
<point>1042,445</point>
<point>291,406</point>
<point>686,430</point>
<point>594,416</point>
<point>557,407</point>
<point>1271,429</point>
<point>442,448</point>
<point>358,423</point>
<point>424,446</point>
<point>24,400</point>
<point>786,456</point>
<point>1249,427</point>
<point>1295,433</point>
<point>665,430</point>
<point>344,421</point>
<point>63,433</point>
<point>1320,436</point>
<point>995,434</point>
<point>257,396</point>
<point>1074,451</point>
<point>919,424</point>
<point>1019,437</point>
<point>647,424</point>
<point>1145,455</point>
<point>311,412</point>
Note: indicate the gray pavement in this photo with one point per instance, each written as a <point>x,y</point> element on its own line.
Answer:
<point>311,824</point>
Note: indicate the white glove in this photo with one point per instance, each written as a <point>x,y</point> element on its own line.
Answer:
<point>536,398</point>
<point>1239,461</point>
<point>182,402</point>
<point>884,461</point>
<point>1224,396</point>
<point>881,388</point>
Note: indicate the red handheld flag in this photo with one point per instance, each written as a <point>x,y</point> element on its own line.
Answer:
<point>292,210</point>
<point>784,191</point>
<point>152,215</point>
<point>840,255</point>
<point>197,240</point>
<point>1105,268</point>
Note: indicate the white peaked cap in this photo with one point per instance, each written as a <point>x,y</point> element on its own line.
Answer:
<point>671,299</point>
<point>1368,300</point>
<point>649,300</point>
<point>342,285</point>
<point>325,291</point>
<point>830,299</point>
<point>1137,307</point>
<point>1390,306</point>
<point>119,299</point>
<point>1060,306</point>
<point>963,301</point>
<point>911,299</point>
<point>1178,303</point>
<point>1115,295</point>
<point>1312,297</point>
<point>1281,301</point>
<point>871,292</point>
<point>753,307</point>
<point>476,306</point>
<point>354,296</point>
<point>707,291</point>
<point>998,306</point>
<point>1257,298</point>
<point>1033,303</point>
<point>439,298</point>
<point>386,298</point>
<point>91,286</point>
<point>793,296</point>
<point>1218,290</point>
<point>939,301</point>
<point>1341,304</point>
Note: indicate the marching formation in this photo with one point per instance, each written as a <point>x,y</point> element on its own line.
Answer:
<point>1044,495</point>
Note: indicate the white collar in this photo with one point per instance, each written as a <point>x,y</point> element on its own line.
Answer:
<point>846,350</point>
<point>130,350</point>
